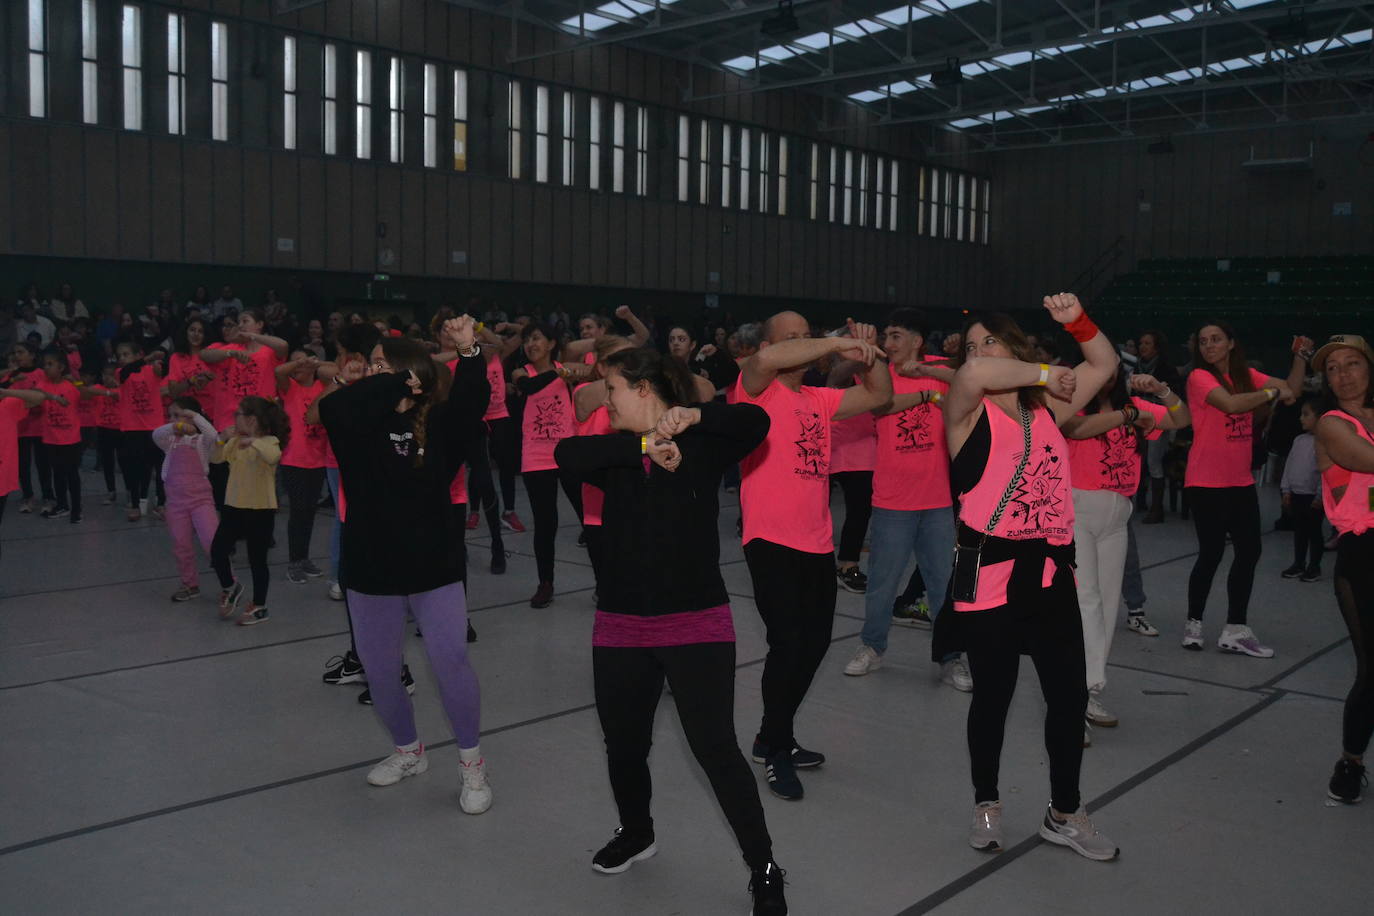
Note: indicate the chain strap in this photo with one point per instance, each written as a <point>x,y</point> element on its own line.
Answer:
<point>1020,468</point>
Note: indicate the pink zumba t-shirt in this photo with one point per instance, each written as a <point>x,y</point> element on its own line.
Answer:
<point>912,472</point>
<point>854,443</point>
<point>496,377</point>
<point>785,482</point>
<point>61,425</point>
<point>598,423</point>
<point>32,423</point>
<point>308,441</point>
<point>1353,511</point>
<point>1223,443</point>
<point>549,418</point>
<point>1110,461</point>
<point>140,401</point>
<point>12,413</point>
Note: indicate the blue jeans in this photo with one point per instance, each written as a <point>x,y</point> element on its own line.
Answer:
<point>335,536</point>
<point>1132,585</point>
<point>894,537</point>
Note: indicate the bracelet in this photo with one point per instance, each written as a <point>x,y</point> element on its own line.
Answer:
<point>1044,375</point>
<point>935,397</point>
<point>470,353</point>
<point>1082,328</point>
<point>1273,394</point>
<point>1177,406</point>
<point>644,445</point>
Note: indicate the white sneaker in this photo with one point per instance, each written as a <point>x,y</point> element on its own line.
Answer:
<point>335,592</point>
<point>865,661</point>
<point>1077,832</point>
<point>955,673</point>
<point>397,767</point>
<point>1087,735</point>
<point>1242,641</point>
<point>1097,714</point>
<point>1192,635</point>
<point>1137,623</point>
<point>475,796</point>
<point>986,832</point>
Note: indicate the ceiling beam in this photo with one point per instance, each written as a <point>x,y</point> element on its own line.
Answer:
<point>974,53</point>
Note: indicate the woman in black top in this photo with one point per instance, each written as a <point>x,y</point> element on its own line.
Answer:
<point>400,436</point>
<point>663,610</point>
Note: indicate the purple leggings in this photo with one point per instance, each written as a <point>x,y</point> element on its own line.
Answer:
<point>379,626</point>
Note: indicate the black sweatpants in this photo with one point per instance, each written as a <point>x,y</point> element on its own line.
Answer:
<point>141,461</point>
<point>1355,596</point>
<point>107,446</point>
<point>795,595</point>
<point>254,526</point>
<point>629,683</point>
<point>1049,629</point>
<point>1218,512</point>
<point>303,492</point>
<point>1308,542</point>
<point>32,453</point>
<point>542,489</point>
<point>65,461</point>
<point>482,491</point>
<point>504,436</point>
<point>219,482</point>
<point>857,487</point>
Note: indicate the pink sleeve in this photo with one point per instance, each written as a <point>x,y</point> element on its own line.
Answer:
<point>831,398</point>
<point>1200,384</point>
<point>1258,379</point>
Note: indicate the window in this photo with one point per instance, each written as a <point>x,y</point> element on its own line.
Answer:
<point>744,167</point>
<point>934,178</point>
<point>765,171</point>
<point>176,75</point>
<point>541,133</point>
<point>618,147</point>
<point>642,151</point>
<point>569,139</point>
<point>704,163</point>
<point>921,201</point>
<point>725,165</point>
<point>863,189</point>
<point>813,192</point>
<point>429,106</point>
<point>513,126</point>
<point>288,99</point>
<point>972,209</point>
<point>362,105</point>
<point>331,100</point>
<point>834,174</point>
<point>90,97</point>
<point>594,146</point>
<point>947,209</point>
<point>460,120</point>
<point>892,200</point>
<point>880,200</point>
<point>219,81</point>
<point>782,176</point>
<point>960,205</point>
<point>38,59</point>
<point>684,157</point>
<point>131,60</point>
<point>985,197</point>
<point>848,179</point>
<point>395,106</point>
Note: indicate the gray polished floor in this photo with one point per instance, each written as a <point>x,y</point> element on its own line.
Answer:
<point>157,760</point>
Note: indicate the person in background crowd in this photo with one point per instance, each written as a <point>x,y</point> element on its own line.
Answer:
<point>1302,501</point>
<point>1153,361</point>
<point>226,304</point>
<point>65,306</point>
<point>31,322</point>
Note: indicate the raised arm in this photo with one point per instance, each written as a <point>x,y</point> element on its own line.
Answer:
<point>278,345</point>
<point>759,370</point>
<point>1248,401</point>
<point>31,397</point>
<point>1339,443</point>
<point>588,398</point>
<point>1100,358</point>
<point>639,335</point>
<point>982,374</point>
<point>1177,416</point>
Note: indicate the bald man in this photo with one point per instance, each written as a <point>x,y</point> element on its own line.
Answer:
<point>788,534</point>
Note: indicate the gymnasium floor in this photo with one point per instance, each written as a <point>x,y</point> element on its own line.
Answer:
<point>160,761</point>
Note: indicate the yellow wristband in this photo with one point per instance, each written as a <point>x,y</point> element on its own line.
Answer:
<point>1044,375</point>
<point>1175,407</point>
<point>644,445</point>
<point>935,397</point>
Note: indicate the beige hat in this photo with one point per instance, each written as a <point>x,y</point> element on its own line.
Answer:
<point>1337,341</point>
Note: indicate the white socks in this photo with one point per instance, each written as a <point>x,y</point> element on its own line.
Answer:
<point>468,755</point>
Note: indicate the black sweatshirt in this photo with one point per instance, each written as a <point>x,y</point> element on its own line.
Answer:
<point>661,543</point>
<point>399,534</point>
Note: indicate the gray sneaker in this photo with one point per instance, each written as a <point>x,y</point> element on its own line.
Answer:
<point>311,570</point>
<point>1077,832</point>
<point>986,832</point>
<point>295,574</point>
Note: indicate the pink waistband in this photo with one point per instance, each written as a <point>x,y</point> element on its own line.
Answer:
<point>631,631</point>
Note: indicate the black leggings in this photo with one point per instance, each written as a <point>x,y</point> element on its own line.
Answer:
<point>254,526</point>
<point>107,446</point>
<point>303,491</point>
<point>505,454</point>
<point>482,491</point>
<point>795,595</point>
<point>66,473</point>
<point>1355,596</point>
<point>857,487</point>
<point>141,461</point>
<point>1308,542</point>
<point>31,452</point>
<point>702,678</point>
<point>542,489</point>
<point>1218,512</point>
<point>1049,629</point>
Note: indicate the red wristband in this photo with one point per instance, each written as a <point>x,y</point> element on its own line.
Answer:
<point>1082,328</point>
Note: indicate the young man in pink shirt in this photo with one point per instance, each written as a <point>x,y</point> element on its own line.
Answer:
<point>788,533</point>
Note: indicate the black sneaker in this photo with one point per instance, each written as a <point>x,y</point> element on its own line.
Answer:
<point>1347,782</point>
<point>766,885</point>
<point>582,539</point>
<point>498,562</point>
<point>624,850</point>
<point>782,776</point>
<point>472,634</point>
<point>802,759</point>
<point>407,682</point>
<point>1292,572</point>
<point>1310,574</point>
<point>852,580</point>
<point>344,669</point>
<point>56,512</point>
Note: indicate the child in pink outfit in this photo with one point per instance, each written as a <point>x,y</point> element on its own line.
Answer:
<point>188,440</point>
